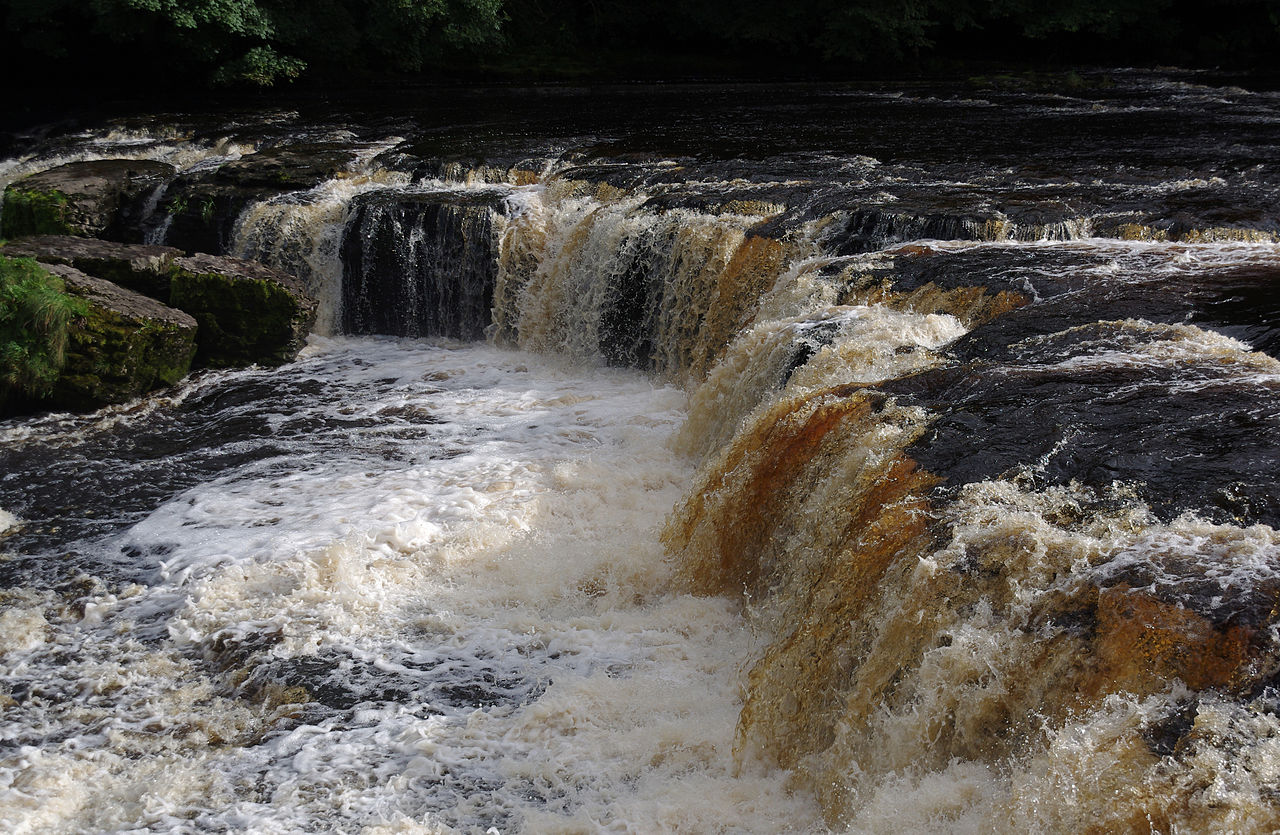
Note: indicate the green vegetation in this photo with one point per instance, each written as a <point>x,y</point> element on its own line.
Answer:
<point>265,42</point>
<point>35,316</point>
<point>34,213</point>
<point>251,42</point>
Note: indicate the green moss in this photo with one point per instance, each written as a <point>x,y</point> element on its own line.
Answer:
<point>113,358</point>
<point>36,313</point>
<point>148,282</point>
<point>241,320</point>
<point>34,213</point>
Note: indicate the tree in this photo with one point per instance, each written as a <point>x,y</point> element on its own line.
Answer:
<point>256,42</point>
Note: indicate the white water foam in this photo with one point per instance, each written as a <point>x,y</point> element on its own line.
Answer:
<point>475,527</point>
<point>7,521</point>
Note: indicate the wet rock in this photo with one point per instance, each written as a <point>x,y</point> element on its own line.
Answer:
<point>1143,643</point>
<point>248,313</point>
<point>720,200</point>
<point>1096,364</point>
<point>127,344</point>
<point>1076,285</point>
<point>452,160</point>
<point>288,167</point>
<point>142,268</point>
<point>1187,439</point>
<point>103,198</point>
<point>203,205</point>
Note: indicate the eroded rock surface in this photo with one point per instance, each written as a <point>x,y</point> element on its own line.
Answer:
<point>101,198</point>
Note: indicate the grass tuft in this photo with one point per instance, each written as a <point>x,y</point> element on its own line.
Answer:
<point>35,315</point>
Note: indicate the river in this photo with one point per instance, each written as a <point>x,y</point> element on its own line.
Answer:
<point>680,458</point>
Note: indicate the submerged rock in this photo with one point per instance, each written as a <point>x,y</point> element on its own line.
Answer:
<point>127,344</point>
<point>142,268</point>
<point>103,198</point>
<point>248,313</point>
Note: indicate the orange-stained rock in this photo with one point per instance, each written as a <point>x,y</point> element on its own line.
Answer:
<point>726,528</point>
<point>1143,643</point>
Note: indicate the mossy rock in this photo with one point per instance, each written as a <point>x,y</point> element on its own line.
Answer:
<point>102,198</point>
<point>125,346</point>
<point>142,268</point>
<point>248,313</point>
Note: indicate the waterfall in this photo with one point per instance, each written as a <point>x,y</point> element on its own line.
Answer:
<point>302,233</point>
<point>928,617</point>
<point>628,285</point>
<point>950,490</point>
<point>420,264</point>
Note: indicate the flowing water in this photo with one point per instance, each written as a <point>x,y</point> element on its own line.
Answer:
<point>746,458</point>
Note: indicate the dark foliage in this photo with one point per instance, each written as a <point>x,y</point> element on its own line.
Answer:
<point>896,34</point>
<point>265,42</point>
<point>254,42</point>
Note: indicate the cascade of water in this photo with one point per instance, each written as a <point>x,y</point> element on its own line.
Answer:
<point>929,641</point>
<point>421,263</point>
<point>999,510</point>
<point>920,637</point>
<point>302,234</point>
<point>621,282</point>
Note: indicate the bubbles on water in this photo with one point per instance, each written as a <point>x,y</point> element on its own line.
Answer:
<point>474,632</point>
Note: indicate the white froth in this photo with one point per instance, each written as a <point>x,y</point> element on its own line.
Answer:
<point>513,534</point>
<point>7,521</point>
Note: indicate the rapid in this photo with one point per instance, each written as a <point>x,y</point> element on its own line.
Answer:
<point>756,458</point>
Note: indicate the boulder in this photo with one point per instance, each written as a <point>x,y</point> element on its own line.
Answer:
<point>248,313</point>
<point>102,198</point>
<point>143,268</point>
<point>127,344</point>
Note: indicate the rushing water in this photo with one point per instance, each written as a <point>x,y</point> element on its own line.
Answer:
<point>741,459</point>
<point>393,582</point>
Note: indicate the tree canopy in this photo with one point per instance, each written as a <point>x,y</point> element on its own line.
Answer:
<point>255,41</point>
<point>264,42</point>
